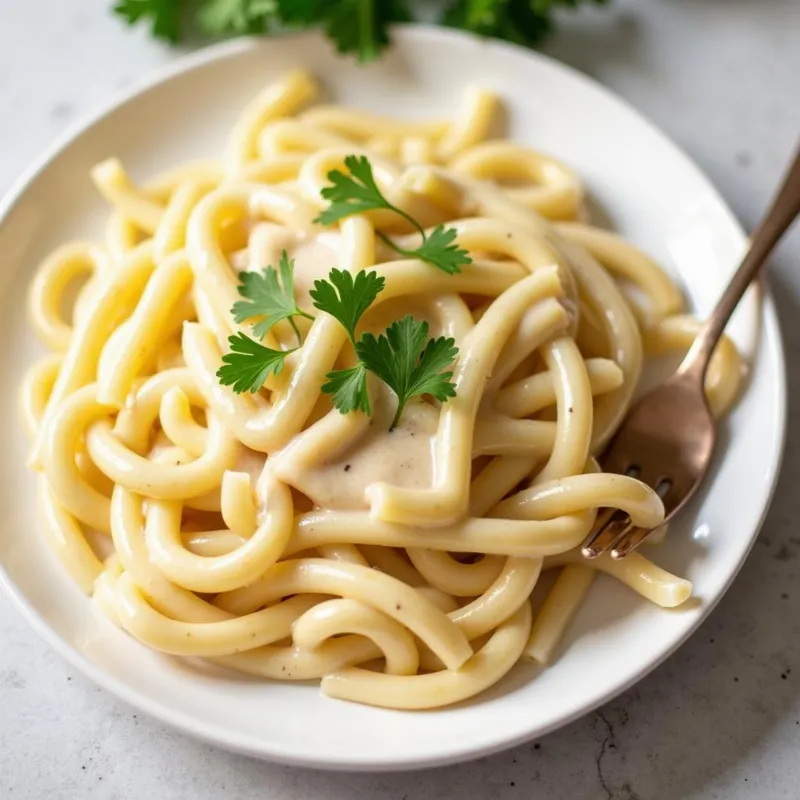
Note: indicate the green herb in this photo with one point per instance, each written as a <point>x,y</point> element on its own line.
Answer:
<point>354,193</point>
<point>349,389</point>
<point>234,16</point>
<point>358,192</point>
<point>408,362</point>
<point>347,298</point>
<point>164,16</point>
<point>438,248</point>
<point>402,357</point>
<point>354,26</point>
<point>268,299</point>
<point>526,22</point>
<point>249,364</point>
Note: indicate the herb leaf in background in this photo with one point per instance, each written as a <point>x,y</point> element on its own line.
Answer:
<point>164,16</point>
<point>354,26</point>
<point>217,17</point>
<point>525,22</point>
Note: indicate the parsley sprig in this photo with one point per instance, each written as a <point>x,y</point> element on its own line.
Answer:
<point>354,26</point>
<point>408,362</point>
<point>267,299</point>
<point>358,192</point>
<point>402,357</point>
<point>249,363</point>
<point>346,298</point>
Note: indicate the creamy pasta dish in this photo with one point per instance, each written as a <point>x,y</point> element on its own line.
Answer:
<point>326,407</point>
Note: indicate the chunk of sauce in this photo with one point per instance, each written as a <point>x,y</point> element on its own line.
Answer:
<point>402,457</point>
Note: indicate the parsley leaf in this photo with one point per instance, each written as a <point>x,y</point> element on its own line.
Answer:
<point>439,248</point>
<point>164,16</point>
<point>358,192</point>
<point>249,364</point>
<point>349,389</point>
<point>235,16</point>
<point>346,297</point>
<point>404,362</point>
<point>526,22</point>
<point>268,299</point>
<point>353,193</point>
<point>354,26</point>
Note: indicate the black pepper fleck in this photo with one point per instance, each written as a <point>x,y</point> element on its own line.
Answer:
<point>397,606</point>
<point>785,596</point>
<point>347,468</point>
<point>571,410</point>
<point>783,676</point>
<point>537,747</point>
<point>736,679</point>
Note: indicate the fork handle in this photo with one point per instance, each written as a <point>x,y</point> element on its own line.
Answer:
<point>783,212</point>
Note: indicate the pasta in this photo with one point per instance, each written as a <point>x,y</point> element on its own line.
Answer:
<point>278,536</point>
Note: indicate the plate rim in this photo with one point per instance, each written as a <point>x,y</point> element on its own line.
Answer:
<point>769,330</point>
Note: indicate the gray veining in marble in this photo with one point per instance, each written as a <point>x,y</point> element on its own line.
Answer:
<point>721,719</point>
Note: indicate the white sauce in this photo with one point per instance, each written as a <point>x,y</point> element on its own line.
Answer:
<point>402,457</point>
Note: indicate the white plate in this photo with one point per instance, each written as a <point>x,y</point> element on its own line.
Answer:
<point>648,189</point>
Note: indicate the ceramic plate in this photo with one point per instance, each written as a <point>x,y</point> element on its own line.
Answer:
<point>644,186</point>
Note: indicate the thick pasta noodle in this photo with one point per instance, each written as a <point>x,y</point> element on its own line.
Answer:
<point>279,537</point>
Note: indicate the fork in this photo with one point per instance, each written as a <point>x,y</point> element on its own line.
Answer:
<point>667,438</point>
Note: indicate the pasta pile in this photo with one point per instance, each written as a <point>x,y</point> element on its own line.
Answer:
<point>276,536</point>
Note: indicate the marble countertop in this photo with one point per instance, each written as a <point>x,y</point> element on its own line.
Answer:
<point>721,719</point>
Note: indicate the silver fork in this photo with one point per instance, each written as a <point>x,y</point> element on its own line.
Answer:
<point>668,437</point>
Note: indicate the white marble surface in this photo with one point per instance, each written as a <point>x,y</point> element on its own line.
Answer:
<point>721,719</point>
